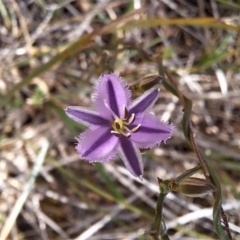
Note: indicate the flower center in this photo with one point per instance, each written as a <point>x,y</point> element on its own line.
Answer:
<point>120,125</point>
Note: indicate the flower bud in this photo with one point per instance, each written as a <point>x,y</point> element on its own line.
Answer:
<point>193,187</point>
<point>145,84</point>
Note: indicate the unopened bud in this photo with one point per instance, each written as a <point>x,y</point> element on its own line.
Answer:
<point>193,187</point>
<point>150,81</point>
<point>145,84</point>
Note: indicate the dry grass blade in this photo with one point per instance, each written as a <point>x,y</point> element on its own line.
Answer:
<point>52,53</point>
<point>26,191</point>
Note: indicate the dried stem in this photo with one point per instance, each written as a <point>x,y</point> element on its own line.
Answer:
<point>195,148</point>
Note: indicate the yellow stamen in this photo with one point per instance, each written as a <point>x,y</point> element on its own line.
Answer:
<point>120,126</point>
<point>117,125</point>
<point>125,115</point>
<point>131,119</point>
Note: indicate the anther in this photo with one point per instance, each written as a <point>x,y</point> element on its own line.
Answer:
<point>125,113</point>
<point>115,132</point>
<point>131,119</point>
<point>135,128</point>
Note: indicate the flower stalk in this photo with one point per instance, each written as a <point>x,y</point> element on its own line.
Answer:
<point>218,213</point>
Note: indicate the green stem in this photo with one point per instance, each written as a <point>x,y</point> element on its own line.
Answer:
<point>218,212</point>
<point>159,224</point>
<point>159,227</point>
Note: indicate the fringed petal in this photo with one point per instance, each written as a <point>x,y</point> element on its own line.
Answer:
<point>144,102</point>
<point>111,90</point>
<point>85,116</point>
<point>131,156</point>
<point>98,145</point>
<point>151,132</point>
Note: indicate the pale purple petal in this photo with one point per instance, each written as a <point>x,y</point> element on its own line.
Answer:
<point>112,99</point>
<point>131,156</point>
<point>144,102</point>
<point>114,91</point>
<point>151,132</point>
<point>85,116</point>
<point>97,145</point>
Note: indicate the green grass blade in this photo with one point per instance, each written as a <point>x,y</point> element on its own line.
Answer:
<point>5,16</point>
<point>111,185</point>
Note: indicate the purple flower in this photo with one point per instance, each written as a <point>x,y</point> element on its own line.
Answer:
<point>119,125</point>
